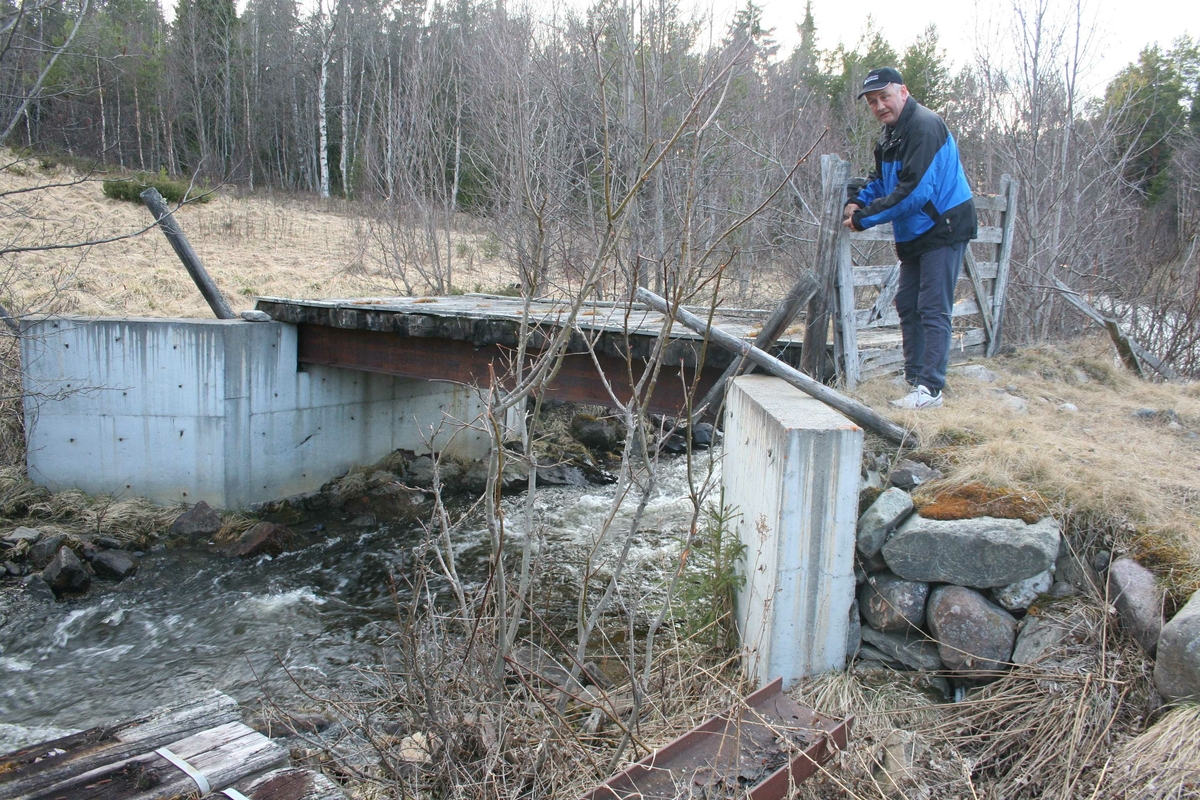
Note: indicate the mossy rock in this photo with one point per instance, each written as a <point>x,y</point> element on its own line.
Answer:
<point>971,500</point>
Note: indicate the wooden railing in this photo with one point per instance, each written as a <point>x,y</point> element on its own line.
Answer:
<point>849,261</point>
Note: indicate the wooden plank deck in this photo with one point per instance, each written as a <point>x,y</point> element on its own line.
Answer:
<point>465,338</point>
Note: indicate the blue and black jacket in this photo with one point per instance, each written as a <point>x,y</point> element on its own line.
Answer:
<point>918,185</point>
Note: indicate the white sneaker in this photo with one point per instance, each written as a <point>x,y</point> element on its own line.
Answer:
<point>918,399</point>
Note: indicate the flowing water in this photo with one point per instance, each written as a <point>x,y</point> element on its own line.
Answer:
<point>191,620</point>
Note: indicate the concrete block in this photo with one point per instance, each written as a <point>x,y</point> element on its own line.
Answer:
<point>791,470</point>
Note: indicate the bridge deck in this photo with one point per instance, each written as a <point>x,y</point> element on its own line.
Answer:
<point>461,338</point>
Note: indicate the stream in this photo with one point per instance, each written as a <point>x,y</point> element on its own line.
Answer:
<point>191,620</point>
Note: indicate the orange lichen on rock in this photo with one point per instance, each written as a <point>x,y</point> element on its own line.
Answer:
<point>977,500</point>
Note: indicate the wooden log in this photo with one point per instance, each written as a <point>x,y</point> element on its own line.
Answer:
<point>800,293</point>
<point>291,783</point>
<point>223,756</point>
<point>33,769</point>
<point>183,248</point>
<point>863,415</point>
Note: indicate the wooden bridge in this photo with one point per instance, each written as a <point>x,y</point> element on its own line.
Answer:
<point>465,338</point>
<point>468,338</point>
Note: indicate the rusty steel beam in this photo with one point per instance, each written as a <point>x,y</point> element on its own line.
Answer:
<point>461,361</point>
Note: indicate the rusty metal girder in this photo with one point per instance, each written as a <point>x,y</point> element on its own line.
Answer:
<point>461,361</point>
<point>759,750</point>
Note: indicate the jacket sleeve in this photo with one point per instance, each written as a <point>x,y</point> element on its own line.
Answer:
<point>870,192</point>
<point>914,188</point>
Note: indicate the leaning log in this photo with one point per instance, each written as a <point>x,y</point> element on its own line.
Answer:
<point>863,415</point>
<point>183,248</point>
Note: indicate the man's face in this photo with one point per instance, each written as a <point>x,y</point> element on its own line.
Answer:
<point>887,103</point>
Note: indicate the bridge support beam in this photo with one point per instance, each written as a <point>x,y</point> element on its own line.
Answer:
<point>791,474</point>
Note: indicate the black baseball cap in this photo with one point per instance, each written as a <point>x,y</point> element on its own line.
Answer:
<point>879,78</point>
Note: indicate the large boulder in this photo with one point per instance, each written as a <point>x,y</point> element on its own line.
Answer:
<point>114,564</point>
<point>265,538</point>
<point>420,472</point>
<point>972,633</point>
<point>1177,670</point>
<point>1139,600</point>
<point>44,551</point>
<point>913,650</point>
<point>891,604</point>
<point>37,588</point>
<point>200,521</point>
<point>599,434</point>
<point>983,553</point>
<point>66,574</point>
<point>880,520</point>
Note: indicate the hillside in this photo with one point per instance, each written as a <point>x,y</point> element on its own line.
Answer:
<point>251,245</point>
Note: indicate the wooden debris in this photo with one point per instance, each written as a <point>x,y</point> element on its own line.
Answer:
<point>30,770</point>
<point>129,762</point>
<point>1132,354</point>
<point>291,783</point>
<point>863,415</point>
<point>800,293</point>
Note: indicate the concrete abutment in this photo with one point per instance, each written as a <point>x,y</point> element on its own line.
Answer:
<point>791,472</point>
<point>216,410</point>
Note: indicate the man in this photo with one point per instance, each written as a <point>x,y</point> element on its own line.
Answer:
<point>919,186</point>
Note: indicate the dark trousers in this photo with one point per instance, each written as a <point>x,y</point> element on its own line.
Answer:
<point>924,300</point>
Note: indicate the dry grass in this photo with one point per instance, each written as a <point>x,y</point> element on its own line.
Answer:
<point>1161,764</point>
<point>258,245</point>
<point>1099,466</point>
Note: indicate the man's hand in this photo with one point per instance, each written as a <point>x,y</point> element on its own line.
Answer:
<point>848,213</point>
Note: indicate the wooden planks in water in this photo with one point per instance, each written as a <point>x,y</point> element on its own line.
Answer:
<point>187,751</point>
<point>30,770</point>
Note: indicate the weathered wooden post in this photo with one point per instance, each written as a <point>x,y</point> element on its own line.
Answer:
<point>183,248</point>
<point>834,175</point>
<point>1003,259</point>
